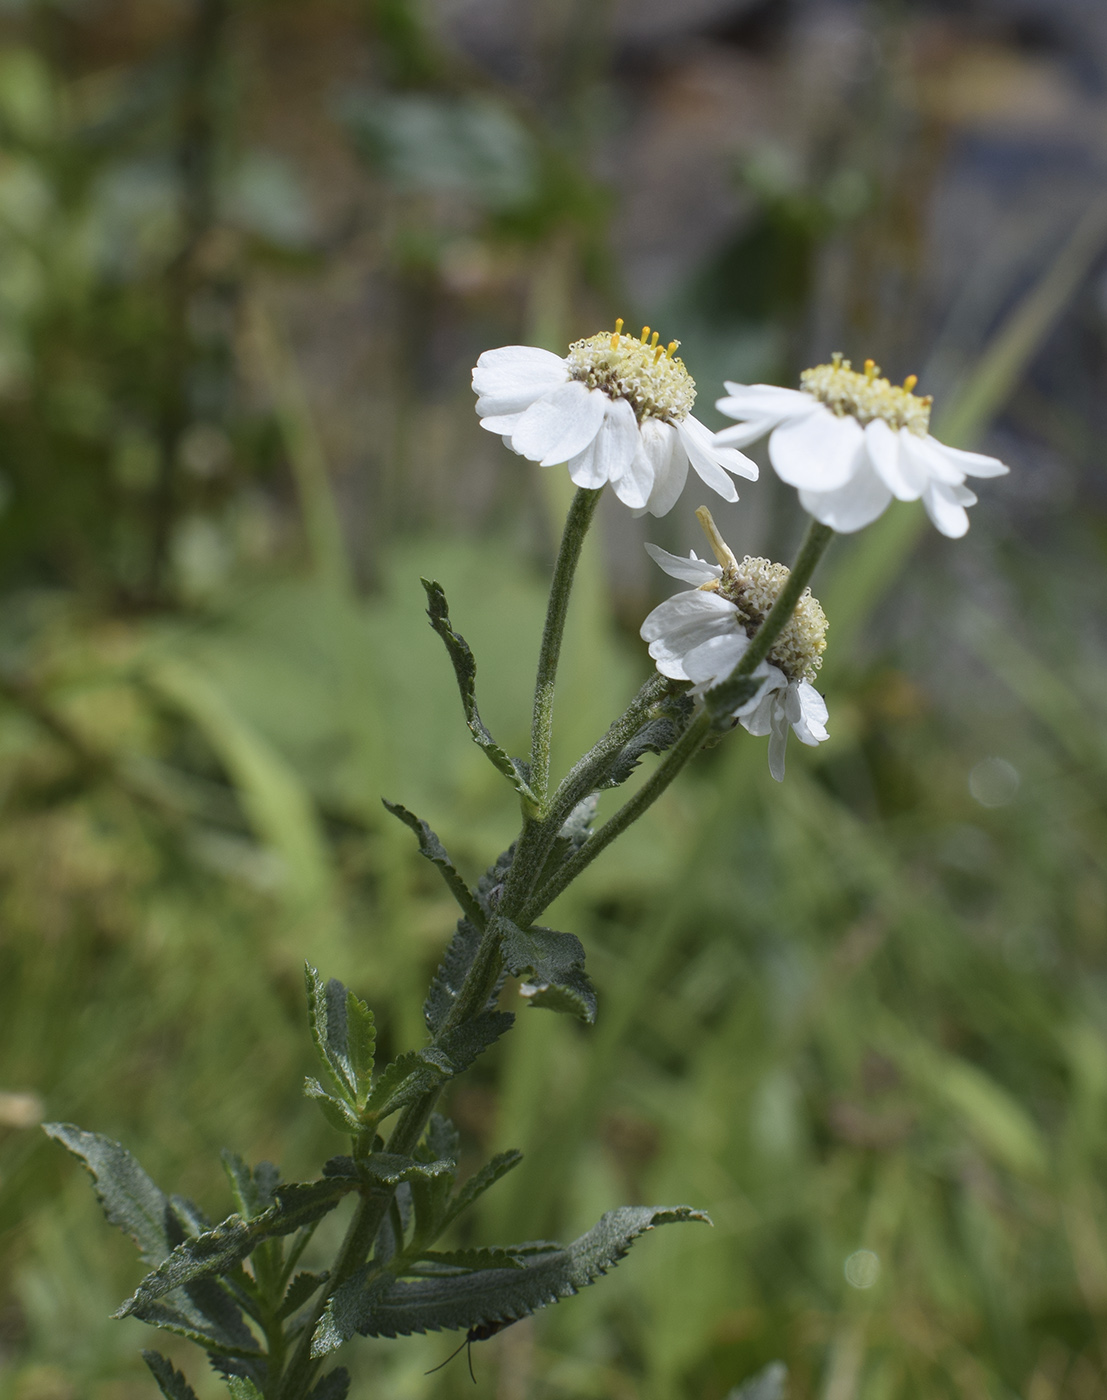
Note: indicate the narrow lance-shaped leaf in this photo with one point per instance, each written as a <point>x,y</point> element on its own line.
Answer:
<point>222,1248</point>
<point>128,1197</point>
<point>343,1033</point>
<point>462,949</point>
<point>490,1296</point>
<point>465,668</point>
<point>552,964</point>
<point>432,848</point>
<point>413,1074</point>
<point>170,1381</point>
<point>335,1385</point>
<point>656,736</point>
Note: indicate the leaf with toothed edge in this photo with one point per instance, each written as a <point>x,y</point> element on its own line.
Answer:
<point>242,1388</point>
<point>388,1307</point>
<point>434,851</point>
<point>344,1036</point>
<point>126,1194</point>
<point>229,1243</point>
<point>462,949</point>
<point>656,736</point>
<point>170,1381</point>
<point>335,1385</point>
<point>552,965</point>
<point>413,1074</point>
<point>465,668</point>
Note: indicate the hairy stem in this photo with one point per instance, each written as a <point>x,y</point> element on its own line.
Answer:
<point>577,522</point>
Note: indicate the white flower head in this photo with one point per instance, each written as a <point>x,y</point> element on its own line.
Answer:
<point>701,635</point>
<point>616,409</point>
<point>850,441</point>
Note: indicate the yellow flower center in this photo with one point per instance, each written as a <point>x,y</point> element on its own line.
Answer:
<point>753,585</point>
<point>648,375</point>
<point>867,396</point>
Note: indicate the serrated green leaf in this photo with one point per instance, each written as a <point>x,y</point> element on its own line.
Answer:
<point>361,1043</point>
<point>219,1250</point>
<point>430,1197</point>
<point>340,1317</point>
<point>389,1169</point>
<point>552,965</point>
<point>170,1381</point>
<point>344,1036</point>
<point>495,1295</point>
<point>466,1260</point>
<point>465,669</point>
<point>417,1072</point>
<point>252,1190</point>
<point>212,1339</point>
<point>335,1385</point>
<point>462,949</point>
<point>126,1194</point>
<point>656,736</point>
<point>242,1388</point>
<point>432,848</point>
<point>337,1113</point>
<point>299,1291</point>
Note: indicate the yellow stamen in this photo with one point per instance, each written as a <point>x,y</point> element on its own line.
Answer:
<point>672,345</point>
<point>655,337</point>
<point>615,341</point>
<point>871,370</point>
<point>645,334</point>
<point>618,325</point>
<point>910,382</point>
<point>657,354</point>
<point>719,547</point>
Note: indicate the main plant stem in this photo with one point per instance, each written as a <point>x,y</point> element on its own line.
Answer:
<point>519,900</point>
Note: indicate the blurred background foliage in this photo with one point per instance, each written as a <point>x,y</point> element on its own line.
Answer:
<point>249,250</point>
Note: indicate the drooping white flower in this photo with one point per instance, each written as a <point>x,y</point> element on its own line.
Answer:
<point>615,409</point>
<point>701,635</point>
<point>849,442</point>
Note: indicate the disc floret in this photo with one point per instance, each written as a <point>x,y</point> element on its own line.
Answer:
<point>866,396</point>
<point>651,378</point>
<point>753,585</point>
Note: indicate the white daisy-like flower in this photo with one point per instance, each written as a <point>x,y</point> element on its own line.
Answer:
<point>701,635</point>
<point>849,442</point>
<point>615,409</point>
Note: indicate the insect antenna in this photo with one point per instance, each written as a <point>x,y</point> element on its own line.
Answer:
<point>465,1343</point>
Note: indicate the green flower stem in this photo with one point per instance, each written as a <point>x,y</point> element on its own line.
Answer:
<point>695,736</point>
<point>577,522</point>
<point>689,744</point>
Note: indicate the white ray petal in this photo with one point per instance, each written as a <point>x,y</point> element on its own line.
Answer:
<point>818,452</point>
<point>883,447</point>
<point>972,463</point>
<point>691,570</point>
<point>560,424</point>
<point>946,511</point>
<point>511,378</point>
<point>765,401</point>
<point>853,505</point>
<point>610,452</point>
<point>659,443</point>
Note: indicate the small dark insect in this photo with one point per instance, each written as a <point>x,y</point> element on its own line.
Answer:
<point>474,1334</point>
